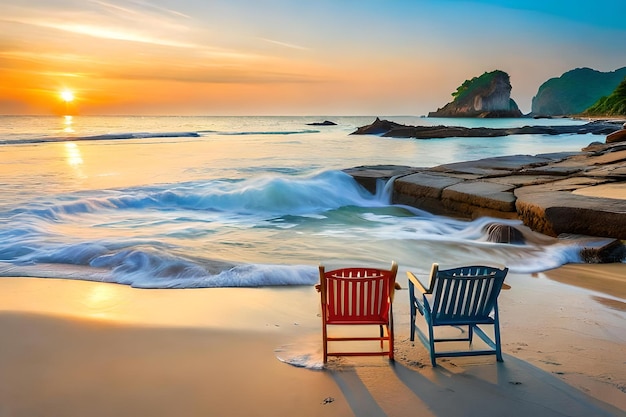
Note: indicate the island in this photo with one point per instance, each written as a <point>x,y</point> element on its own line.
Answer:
<point>488,95</point>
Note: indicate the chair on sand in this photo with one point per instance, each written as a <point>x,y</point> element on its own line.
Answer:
<point>465,296</point>
<point>358,296</point>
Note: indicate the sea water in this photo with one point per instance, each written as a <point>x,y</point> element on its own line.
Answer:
<point>179,202</point>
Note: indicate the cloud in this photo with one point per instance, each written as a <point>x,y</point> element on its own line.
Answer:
<point>285,44</point>
<point>103,32</point>
<point>133,22</point>
<point>221,74</point>
<point>160,9</point>
<point>125,11</point>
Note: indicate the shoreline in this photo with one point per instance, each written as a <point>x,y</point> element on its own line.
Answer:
<point>88,348</point>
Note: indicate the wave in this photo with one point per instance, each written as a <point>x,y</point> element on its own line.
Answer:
<point>270,132</point>
<point>261,231</point>
<point>274,195</point>
<point>108,136</point>
<point>136,236</point>
<point>148,271</point>
<point>305,353</point>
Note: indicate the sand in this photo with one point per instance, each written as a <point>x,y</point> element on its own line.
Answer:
<point>74,348</point>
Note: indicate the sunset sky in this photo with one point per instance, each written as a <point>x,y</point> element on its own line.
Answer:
<point>298,57</point>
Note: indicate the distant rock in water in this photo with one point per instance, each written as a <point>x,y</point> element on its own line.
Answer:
<point>377,127</point>
<point>486,96</point>
<point>396,130</point>
<point>574,91</point>
<point>324,123</point>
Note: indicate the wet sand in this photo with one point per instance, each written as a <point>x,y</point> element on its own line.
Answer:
<point>77,348</point>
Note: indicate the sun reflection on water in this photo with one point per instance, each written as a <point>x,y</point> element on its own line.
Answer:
<point>73,155</point>
<point>68,124</point>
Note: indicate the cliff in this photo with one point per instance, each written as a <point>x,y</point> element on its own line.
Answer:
<point>613,105</point>
<point>574,91</point>
<point>486,96</point>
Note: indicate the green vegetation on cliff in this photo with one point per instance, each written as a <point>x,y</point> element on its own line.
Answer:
<point>477,84</point>
<point>613,105</point>
<point>575,91</point>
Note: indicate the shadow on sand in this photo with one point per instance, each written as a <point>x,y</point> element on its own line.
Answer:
<point>480,387</point>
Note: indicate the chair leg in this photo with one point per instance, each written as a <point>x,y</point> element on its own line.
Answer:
<point>431,340</point>
<point>470,333</point>
<point>325,342</point>
<point>413,313</point>
<point>496,331</point>
<point>390,333</point>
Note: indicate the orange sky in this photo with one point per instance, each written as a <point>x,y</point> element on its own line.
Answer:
<point>285,57</point>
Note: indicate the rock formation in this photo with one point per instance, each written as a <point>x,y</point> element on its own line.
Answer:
<point>486,96</point>
<point>575,193</point>
<point>503,233</point>
<point>574,91</point>
<point>378,127</point>
<point>618,136</point>
<point>324,123</point>
<point>396,130</point>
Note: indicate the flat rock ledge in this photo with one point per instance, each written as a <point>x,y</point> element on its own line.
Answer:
<point>558,194</point>
<point>396,130</point>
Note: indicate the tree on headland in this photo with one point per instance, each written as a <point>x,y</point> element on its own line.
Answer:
<point>480,82</point>
<point>612,105</point>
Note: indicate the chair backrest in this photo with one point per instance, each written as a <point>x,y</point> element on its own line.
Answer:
<point>357,295</point>
<point>465,294</point>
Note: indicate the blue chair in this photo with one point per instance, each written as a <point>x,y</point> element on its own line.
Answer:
<point>459,297</point>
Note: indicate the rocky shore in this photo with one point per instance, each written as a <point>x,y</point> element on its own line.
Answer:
<point>558,194</point>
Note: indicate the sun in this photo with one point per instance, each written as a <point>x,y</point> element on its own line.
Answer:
<point>67,96</point>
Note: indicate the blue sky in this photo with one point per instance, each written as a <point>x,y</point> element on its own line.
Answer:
<point>369,57</point>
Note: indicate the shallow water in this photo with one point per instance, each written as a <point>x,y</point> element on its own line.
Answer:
<point>235,201</point>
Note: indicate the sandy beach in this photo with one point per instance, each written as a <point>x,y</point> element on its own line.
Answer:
<point>76,348</point>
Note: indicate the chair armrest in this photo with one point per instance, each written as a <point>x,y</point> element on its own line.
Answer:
<point>418,284</point>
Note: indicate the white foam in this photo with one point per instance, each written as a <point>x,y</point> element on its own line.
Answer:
<point>303,354</point>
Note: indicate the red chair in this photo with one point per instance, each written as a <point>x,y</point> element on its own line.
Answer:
<point>358,296</point>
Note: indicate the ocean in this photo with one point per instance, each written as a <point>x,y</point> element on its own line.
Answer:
<point>185,202</point>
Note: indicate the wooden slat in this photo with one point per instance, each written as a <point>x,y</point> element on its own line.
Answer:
<point>471,288</point>
<point>344,299</point>
<point>358,294</point>
<point>377,298</point>
<point>467,292</point>
<point>477,296</point>
<point>485,297</point>
<point>454,298</point>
